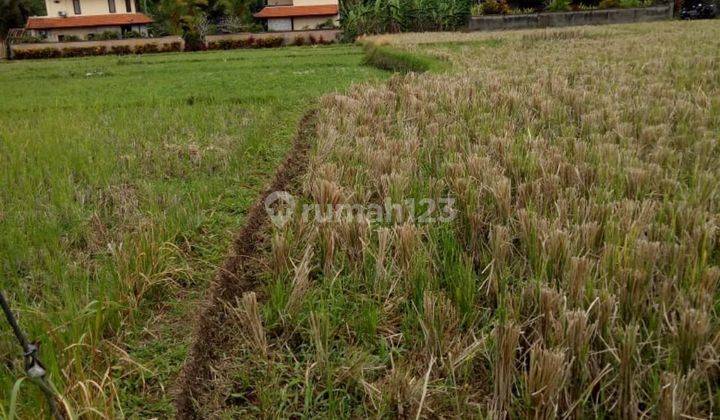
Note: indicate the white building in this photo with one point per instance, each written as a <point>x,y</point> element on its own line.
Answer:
<point>85,18</point>
<point>297,15</point>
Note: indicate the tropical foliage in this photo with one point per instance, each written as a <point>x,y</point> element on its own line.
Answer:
<point>364,17</point>
<point>177,17</point>
<point>172,17</point>
<point>501,7</point>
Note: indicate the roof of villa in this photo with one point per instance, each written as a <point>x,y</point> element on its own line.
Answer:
<point>297,11</point>
<point>41,22</point>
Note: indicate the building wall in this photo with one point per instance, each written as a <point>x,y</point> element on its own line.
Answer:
<point>87,7</point>
<point>52,35</point>
<point>279,24</point>
<point>311,22</point>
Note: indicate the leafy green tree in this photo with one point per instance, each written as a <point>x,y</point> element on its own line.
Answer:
<point>10,16</point>
<point>242,9</point>
<point>173,16</point>
<point>14,13</point>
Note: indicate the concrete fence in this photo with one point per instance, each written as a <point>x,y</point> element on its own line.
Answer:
<point>561,19</point>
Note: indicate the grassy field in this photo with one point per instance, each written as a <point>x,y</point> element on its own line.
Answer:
<point>122,180</point>
<point>579,276</point>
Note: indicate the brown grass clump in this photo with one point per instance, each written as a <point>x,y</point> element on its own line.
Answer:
<point>579,276</point>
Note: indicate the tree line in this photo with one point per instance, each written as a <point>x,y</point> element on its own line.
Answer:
<point>172,17</point>
<point>193,19</point>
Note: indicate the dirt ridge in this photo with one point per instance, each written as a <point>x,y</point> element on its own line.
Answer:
<point>233,279</point>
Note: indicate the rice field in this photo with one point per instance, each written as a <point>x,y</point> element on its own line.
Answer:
<point>122,181</point>
<point>579,274</point>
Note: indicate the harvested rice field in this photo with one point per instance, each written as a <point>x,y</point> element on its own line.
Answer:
<point>573,271</point>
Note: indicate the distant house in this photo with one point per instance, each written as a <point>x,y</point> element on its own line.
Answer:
<point>83,19</point>
<point>296,15</point>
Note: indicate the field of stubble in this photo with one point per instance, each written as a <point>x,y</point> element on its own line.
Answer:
<point>579,277</point>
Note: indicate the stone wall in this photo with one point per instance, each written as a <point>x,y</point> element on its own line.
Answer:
<point>561,19</point>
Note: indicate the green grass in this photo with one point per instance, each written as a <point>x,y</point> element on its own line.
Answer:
<point>391,59</point>
<point>122,181</point>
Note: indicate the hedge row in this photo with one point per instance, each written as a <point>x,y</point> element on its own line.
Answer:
<point>226,44</point>
<point>95,50</point>
<point>311,40</point>
<point>387,58</point>
<point>249,42</point>
<point>265,42</point>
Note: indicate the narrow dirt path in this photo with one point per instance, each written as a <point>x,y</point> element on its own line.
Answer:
<point>234,278</point>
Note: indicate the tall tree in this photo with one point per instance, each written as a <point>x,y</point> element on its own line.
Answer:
<point>10,16</point>
<point>14,13</point>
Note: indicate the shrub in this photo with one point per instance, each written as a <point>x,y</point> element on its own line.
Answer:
<point>535,5</point>
<point>328,24</point>
<point>217,45</point>
<point>622,4</point>
<point>493,7</point>
<point>311,40</point>
<point>269,42</point>
<point>523,11</point>
<point>231,44</point>
<point>172,47</point>
<point>56,53</point>
<point>322,41</point>
<point>106,35</point>
<point>37,54</point>
<point>558,6</point>
<point>95,50</point>
<point>132,35</point>
<point>70,38</point>
<point>29,39</point>
<point>276,41</point>
<point>146,49</point>
<point>83,51</point>
<point>194,41</point>
<point>120,50</point>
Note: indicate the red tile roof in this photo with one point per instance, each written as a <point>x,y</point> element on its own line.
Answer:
<point>297,11</point>
<point>87,21</point>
